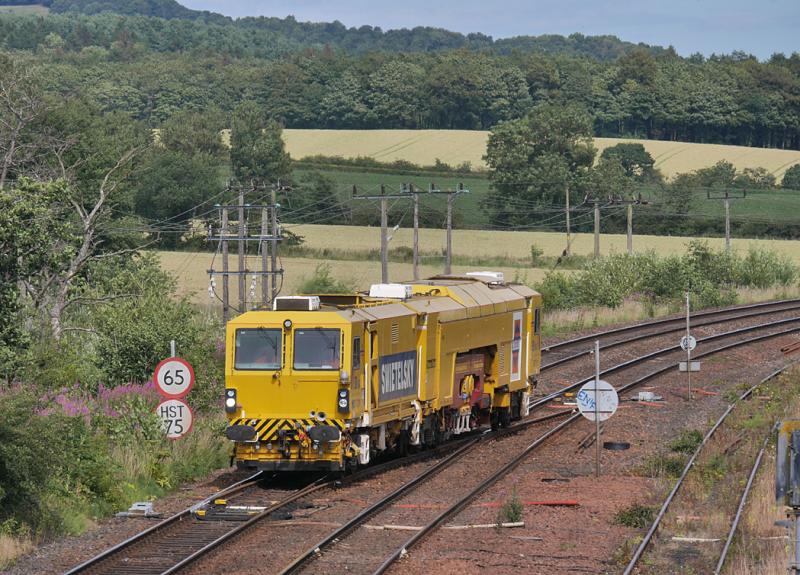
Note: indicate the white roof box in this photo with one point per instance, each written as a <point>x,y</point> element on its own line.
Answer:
<point>488,277</point>
<point>296,303</point>
<point>394,291</point>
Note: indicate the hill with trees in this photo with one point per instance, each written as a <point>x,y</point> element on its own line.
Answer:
<point>325,75</point>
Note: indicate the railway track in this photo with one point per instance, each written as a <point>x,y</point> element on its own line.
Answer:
<point>177,542</point>
<point>190,540</point>
<point>742,502</point>
<point>452,511</point>
<point>648,538</point>
<point>659,328</point>
<point>763,307</point>
<point>326,559</point>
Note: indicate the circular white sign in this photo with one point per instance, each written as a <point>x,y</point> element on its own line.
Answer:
<point>606,405</point>
<point>174,377</point>
<point>688,343</point>
<point>176,417</point>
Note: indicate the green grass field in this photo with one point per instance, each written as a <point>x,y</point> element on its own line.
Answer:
<point>454,147</point>
<point>770,206</point>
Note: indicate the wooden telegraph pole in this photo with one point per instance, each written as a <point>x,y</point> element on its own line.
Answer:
<point>568,250</point>
<point>726,197</point>
<point>411,192</point>
<point>596,203</point>
<point>384,237</point>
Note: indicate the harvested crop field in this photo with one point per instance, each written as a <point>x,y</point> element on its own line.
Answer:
<point>455,147</point>
<point>189,269</point>
<point>516,245</point>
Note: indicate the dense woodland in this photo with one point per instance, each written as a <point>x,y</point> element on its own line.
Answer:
<point>326,75</point>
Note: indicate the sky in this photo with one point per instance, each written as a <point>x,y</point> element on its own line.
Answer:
<point>759,27</point>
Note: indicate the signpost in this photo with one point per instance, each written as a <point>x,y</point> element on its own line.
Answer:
<point>597,401</point>
<point>688,343</point>
<point>174,378</point>
<point>176,417</point>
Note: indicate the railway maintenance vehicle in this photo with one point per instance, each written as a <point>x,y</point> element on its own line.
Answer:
<point>330,382</point>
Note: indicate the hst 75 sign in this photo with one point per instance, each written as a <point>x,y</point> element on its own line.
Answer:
<point>174,378</point>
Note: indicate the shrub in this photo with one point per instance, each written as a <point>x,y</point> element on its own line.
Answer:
<point>712,277</point>
<point>322,282</point>
<point>559,291</point>
<point>536,255</point>
<point>762,268</point>
<point>687,442</point>
<point>53,468</point>
<point>512,509</point>
<point>637,516</point>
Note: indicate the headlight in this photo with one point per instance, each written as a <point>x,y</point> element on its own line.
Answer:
<point>287,324</point>
<point>230,400</point>
<point>343,400</point>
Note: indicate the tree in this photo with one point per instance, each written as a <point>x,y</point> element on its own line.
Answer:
<point>754,178</point>
<point>27,231</point>
<point>169,184</point>
<point>393,96</point>
<point>720,175</point>
<point>535,160</point>
<point>610,179</point>
<point>791,178</point>
<point>634,159</point>
<point>257,147</point>
<point>343,104</point>
<point>315,197</point>
<point>20,104</point>
<point>194,132</point>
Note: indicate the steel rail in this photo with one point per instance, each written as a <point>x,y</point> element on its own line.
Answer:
<point>361,474</point>
<point>370,511</point>
<point>742,502</point>
<point>637,555</point>
<point>304,492</point>
<point>403,550</point>
<point>658,322</point>
<point>624,365</point>
<point>181,515</point>
<point>461,503</point>
<point>648,335</point>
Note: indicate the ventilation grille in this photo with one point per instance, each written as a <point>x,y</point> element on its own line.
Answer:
<point>395,333</point>
<point>502,361</point>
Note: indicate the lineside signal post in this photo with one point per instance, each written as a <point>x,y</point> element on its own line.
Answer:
<point>688,343</point>
<point>597,401</point>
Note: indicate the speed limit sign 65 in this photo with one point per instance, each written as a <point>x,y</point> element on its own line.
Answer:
<point>174,377</point>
